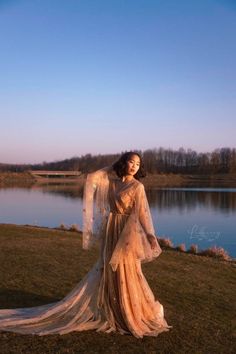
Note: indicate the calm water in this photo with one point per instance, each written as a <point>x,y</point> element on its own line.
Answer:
<point>203,216</point>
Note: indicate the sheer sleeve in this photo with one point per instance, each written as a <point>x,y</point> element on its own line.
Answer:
<point>143,211</point>
<point>144,226</point>
<point>95,206</point>
<point>133,241</point>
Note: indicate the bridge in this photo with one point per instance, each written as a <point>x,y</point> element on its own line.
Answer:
<point>55,174</point>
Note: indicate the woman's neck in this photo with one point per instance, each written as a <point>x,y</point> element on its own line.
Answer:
<point>127,178</point>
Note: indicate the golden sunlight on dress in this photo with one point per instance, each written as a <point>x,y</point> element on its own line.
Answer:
<point>114,295</point>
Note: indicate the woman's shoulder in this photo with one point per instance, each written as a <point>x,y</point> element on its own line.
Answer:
<point>138,185</point>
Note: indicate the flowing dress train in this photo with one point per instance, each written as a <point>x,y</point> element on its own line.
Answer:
<point>114,295</point>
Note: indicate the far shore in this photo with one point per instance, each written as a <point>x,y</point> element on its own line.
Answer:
<point>25,179</point>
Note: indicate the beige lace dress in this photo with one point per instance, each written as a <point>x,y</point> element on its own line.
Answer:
<point>114,295</point>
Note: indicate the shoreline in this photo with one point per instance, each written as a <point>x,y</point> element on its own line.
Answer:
<point>164,242</point>
<point>25,179</point>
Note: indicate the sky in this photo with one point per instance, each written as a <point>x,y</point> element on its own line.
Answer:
<point>105,76</point>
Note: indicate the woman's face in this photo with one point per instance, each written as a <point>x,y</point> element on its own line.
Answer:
<point>133,164</point>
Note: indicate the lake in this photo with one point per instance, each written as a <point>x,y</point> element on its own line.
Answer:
<point>203,216</point>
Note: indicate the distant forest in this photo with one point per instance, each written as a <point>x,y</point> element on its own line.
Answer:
<point>222,160</point>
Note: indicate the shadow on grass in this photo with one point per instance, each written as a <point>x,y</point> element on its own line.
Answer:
<point>13,298</point>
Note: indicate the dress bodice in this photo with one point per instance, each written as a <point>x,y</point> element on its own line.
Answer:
<point>122,195</point>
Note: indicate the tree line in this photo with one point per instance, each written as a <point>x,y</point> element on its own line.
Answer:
<point>157,160</point>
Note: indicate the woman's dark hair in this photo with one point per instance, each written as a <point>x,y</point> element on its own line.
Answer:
<point>120,165</point>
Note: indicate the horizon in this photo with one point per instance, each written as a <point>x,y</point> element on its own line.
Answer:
<point>84,77</point>
<point>115,153</point>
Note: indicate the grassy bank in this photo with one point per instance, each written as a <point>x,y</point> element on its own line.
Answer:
<point>150,181</point>
<point>180,180</point>
<point>40,265</point>
<point>16,178</point>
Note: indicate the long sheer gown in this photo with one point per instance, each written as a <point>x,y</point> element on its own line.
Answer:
<point>114,295</point>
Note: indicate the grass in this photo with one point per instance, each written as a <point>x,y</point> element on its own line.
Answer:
<point>213,251</point>
<point>41,265</point>
<point>227,180</point>
<point>13,178</point>
<point>156,180</point>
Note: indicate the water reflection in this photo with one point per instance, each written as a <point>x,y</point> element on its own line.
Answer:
<point>40,206</point>
<point>67,191</point>
<point>190,199</point>
<point>204,216</point>
<point>161,198</point>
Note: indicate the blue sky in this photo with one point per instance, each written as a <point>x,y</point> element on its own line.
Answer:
<point>100,76</point>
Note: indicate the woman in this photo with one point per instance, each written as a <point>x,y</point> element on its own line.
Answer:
<point>114,295</point>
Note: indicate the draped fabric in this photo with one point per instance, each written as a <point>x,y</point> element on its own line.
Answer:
<point>114,295</point>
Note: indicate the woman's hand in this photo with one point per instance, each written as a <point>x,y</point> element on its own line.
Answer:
<point>152,240</point>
